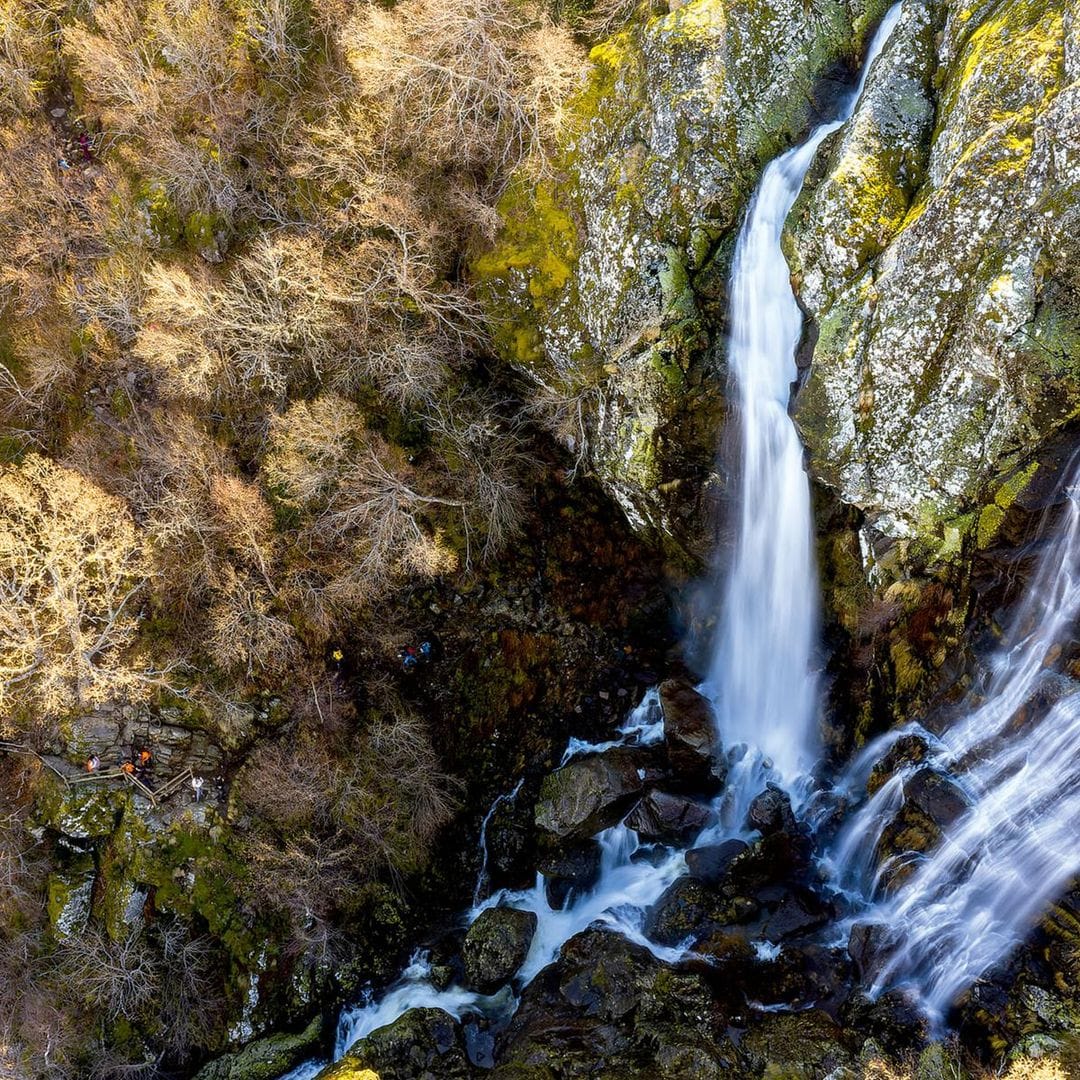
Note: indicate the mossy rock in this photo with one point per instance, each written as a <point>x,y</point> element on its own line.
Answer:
<point>269,1058</point>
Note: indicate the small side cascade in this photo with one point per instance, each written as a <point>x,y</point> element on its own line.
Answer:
<point>482,874</point>
<point>974,897</point>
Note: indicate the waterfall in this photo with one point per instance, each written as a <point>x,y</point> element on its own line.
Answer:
<point>482,875</point>
<point>761,676</point>
<point>975,897</point>
<point>760,679</point>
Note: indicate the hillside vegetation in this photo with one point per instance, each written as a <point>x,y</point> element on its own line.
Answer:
<point>243,404</point>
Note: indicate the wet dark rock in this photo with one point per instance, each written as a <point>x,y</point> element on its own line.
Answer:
<point>709,864</point>
<point>798,912</point>
<point>800,976</point>
<point>576,869</point>
<point>932,802</point>
<point>496,946</point>
<point>935,795</point>
<point>770,812</point>
<point>866,943</point>
<point>687,911</point>
<point>693,745</point>
<point>767,861</point>
<point>606,1001</point>
<point>588,794</point>
<point>729,948</point>
<point>674,819</point>
<point>907,750</point>
<point>420,1044</point>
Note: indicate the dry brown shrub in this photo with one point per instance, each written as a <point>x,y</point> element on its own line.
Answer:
<point>328,814</point>
<point>473,84</point>
<point>246,633</point>
<point>26,54</point>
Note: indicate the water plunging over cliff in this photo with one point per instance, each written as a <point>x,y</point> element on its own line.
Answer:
<point>761,678</point>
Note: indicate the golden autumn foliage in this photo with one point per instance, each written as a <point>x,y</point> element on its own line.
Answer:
<point>244,398</point>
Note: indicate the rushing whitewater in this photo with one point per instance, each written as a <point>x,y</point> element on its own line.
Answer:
<point>974,898</point>
<point>761,679</point>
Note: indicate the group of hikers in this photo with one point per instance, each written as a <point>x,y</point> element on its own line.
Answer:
<point>139,767</point>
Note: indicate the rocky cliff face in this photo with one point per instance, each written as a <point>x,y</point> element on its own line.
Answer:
<point>935,255</point>
<point>607,285</point>
<point>933,249</point>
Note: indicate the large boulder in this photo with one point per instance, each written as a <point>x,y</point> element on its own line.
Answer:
<point>690,736</point>
<point>709,864</point>
<point>673,819</point>
<point>496,946</point>
<point>266,1059</point>
<point>589,794</point>
<point>688,911</point>
<point>422,1044</point>
<point>608,279</point>
<point>608,1008</point>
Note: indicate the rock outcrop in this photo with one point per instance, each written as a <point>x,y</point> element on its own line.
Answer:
<point>607,284</point>
<point>936,254</point>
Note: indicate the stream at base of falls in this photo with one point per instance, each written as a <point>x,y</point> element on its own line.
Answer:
<point>933,924</point>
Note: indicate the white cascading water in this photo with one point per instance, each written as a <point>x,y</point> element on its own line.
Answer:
<point>760,680</point>
<point>975,897</point>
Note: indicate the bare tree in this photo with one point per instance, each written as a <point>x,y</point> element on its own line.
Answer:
<point>71,574</point>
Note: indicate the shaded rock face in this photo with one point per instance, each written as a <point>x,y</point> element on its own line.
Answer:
<point>496,946</point>
<point>936,256</point>
<point>574,870</point>
<point>588,794</point>
<point>690,736</point>
<point>607,282</point>
<point>421,1043</point>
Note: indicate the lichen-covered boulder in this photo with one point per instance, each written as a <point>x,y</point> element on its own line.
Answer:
<point>710,863</point>
<point>937,256</point>
<point>419,1044</point>
<point>267,1059</point>
<point>588,794</point>
<point>688,911</point>
<point>608,1008</point>
<point>609,275</point>
<point>496,946</point>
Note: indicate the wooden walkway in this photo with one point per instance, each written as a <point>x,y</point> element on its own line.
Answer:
<point>155,796</point>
